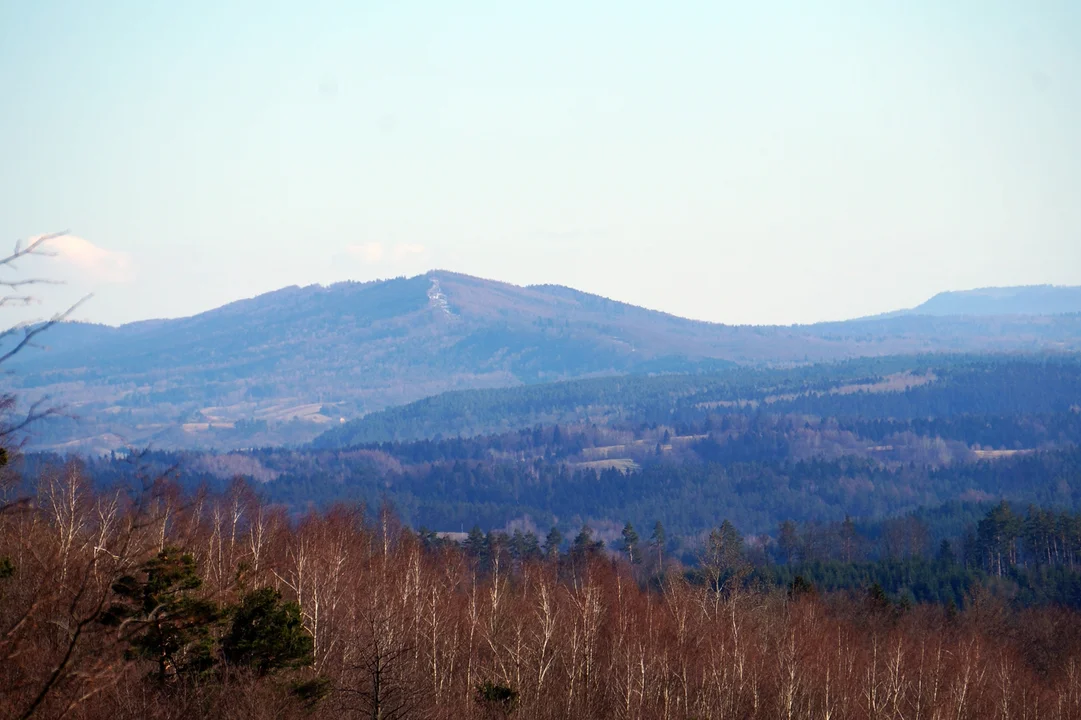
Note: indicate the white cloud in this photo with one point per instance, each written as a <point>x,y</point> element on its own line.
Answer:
<point>370,253</point>
<point>90,261</point>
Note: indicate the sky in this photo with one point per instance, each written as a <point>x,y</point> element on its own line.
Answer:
<point>776,161</point>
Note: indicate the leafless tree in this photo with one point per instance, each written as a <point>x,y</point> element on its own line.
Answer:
<point>20,336</point>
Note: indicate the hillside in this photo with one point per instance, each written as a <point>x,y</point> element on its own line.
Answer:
<point>1027,300</point>
<point>941,496</point>
<point>907,387</point>
<point>869,438</point>
<point>285,366</point>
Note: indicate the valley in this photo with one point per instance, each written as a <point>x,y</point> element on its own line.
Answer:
<point>874,438</point>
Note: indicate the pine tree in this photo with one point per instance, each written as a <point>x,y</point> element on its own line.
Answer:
<point>530,548</point>
<point>552,543</point>
<point>848,540</point>
<point>997,534</point>
<point>584,544</point>
<point>788,542</point>
<point>723,554</point>
<point>945,554</point>
<point>163,618</point>
<point>267,634</point>
<point>630,544</point>
<point>657,542</point>
<point>475,543</point>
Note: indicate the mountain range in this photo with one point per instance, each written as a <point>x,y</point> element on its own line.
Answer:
<point>1023,300</point>
<point>283,367</point>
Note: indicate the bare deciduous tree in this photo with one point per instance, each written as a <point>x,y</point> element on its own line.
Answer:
<point>16,338</point>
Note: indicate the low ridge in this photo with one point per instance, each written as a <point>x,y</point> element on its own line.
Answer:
<point>1025,300</point>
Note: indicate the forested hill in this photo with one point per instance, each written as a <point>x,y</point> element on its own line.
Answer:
<point>871,438</point>
<point>900,387</point>
<point>1028,300</point>
<point>283,367</point>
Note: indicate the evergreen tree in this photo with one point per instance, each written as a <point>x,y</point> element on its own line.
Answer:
<point>799,587</point>
<point>162,616</point>
<point>584,544</point>
<point>723,554</point>
<point>496,701</point>
<point>877,600</point>
<point>997,536</point>
<point>945,554</point>
<point>529,547</point>
<point>553,542</point>
<point>517,544</point>
<point>788,542</point>
<point>657,542</point>
<point>630,544</point>
<point>267,634</point>
<point>496,544</point>
<point>849,539</point>
<point>476,543</point>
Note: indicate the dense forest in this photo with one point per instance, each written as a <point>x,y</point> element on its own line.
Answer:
<point>896,537</point>
<point>755,465</point>
<point>687,496</point>
<point>903,387</point>
<point>868,439</point>
<point>154,603</point>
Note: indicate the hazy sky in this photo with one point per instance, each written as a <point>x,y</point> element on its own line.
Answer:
<point>768,161</point>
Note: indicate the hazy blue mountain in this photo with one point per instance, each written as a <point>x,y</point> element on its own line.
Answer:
<point>1026,300</point>
<point>287,365</point>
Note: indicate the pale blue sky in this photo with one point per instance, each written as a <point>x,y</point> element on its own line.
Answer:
<point>774,161</point>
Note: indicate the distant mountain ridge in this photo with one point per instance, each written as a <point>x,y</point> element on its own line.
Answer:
<point>286,365</point>
<point>992,301</point>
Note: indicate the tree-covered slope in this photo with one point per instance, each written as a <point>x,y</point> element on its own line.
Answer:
<point>283,367</point>
<point>904,387</point>
<point>870,438</point>
<point>1028,300</point>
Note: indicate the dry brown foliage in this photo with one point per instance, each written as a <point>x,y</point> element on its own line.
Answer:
<point>401,631</point>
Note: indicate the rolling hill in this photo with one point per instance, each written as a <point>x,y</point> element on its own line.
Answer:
<point>901,386</point>
<point>1024,300</point>
<point>285,366</point>
<point>870,437</point>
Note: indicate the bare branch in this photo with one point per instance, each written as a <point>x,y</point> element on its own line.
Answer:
<point>38,411</point>
<point>32,331</point>
<point>37,246</point>
<point>20,300</point>
<point>29,281</point>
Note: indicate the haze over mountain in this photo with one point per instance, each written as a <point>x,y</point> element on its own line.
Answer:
<point>1025,300</point>
<point>282,367</point>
